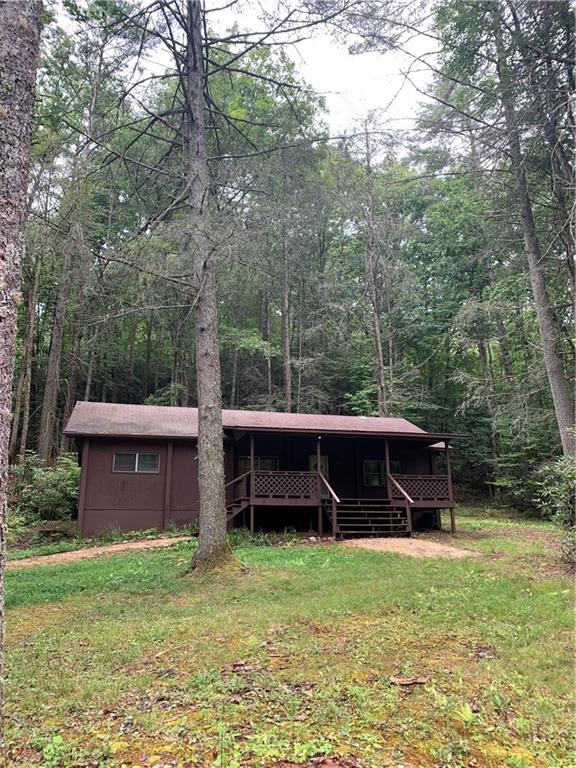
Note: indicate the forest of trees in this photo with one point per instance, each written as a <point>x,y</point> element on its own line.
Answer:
<point>429,276</point>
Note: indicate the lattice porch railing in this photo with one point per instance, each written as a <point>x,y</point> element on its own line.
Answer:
<point>423,487</point>
<point>285,485</point>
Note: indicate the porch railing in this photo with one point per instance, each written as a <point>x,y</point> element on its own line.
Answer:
<point>403,494</point>
<point>285,485</point>
<point>237,488</point>
<point>334,502</point>
<point>421,487</point>
<point>275,484</point>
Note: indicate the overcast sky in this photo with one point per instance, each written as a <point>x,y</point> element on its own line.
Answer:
<point>351,84</point>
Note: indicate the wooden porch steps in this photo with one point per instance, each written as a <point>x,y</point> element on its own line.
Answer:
<point>357,518</point>
<point>235,508</point>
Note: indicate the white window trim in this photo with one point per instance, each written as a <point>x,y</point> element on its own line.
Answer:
<point>135,471</point>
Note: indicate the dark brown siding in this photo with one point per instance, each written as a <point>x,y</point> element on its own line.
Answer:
<point>125,502</point>
<point>122,501</point>
<point>184,493</point>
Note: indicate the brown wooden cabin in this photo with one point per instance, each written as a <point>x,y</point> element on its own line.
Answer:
<point>337,475</point>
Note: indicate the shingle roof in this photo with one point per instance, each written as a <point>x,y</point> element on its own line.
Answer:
<point>120,420</point>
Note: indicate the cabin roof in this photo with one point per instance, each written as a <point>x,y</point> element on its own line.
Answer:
<point>121,420</point>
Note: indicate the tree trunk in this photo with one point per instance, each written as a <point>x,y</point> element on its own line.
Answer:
<point>269,380</point>
<point>370,268</point>
<point>213,549</point>
<point>19,46</point>
<point>559,386</point>
<point>146,389</point>
<point>234,382</point>
<point>286,350</point>
<point>72,381</point>
<point>90,372</point>
<point>300,343</point>
<point>483,352</point>
<point>22,402</point>
<point>52,380</point>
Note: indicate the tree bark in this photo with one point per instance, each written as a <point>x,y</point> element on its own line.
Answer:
<point>22,402</point>
<point>485,367</point>
<point>72,380</point>
<point>269,380</point>
<point>19,46</point>
<point>90,372</point>
<point>559,386</point>
<point>52,380</point>
<point>286,345</point>
<point>146,388</point>
<point>234,379</point>
<point>370,268</point>
<point>213,548</point>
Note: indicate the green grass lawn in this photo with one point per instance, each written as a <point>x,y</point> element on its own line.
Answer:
<point>125,661</point>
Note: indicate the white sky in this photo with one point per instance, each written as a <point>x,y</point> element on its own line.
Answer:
<point>351,84</point>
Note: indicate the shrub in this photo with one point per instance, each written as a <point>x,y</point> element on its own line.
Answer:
<point>40,492</point>
<point>556,499</point>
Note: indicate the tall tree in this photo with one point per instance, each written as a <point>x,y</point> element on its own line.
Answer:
<point>213,548</point>
<point>19,48</point>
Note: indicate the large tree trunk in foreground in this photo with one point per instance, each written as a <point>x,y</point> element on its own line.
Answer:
<point>19,44</point>
<point>213,549</point>
<point>559,385</point>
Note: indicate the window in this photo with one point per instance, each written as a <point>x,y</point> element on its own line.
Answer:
<point>265,463</point>
<point>395,467</point>
<point>124,462</point>
<point>374,473</point>
<point>146,463</point>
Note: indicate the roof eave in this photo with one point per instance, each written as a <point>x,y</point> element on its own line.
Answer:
<point>424,436</point>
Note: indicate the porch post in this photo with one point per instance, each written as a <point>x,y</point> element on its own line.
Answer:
<point>318,484</point>
<point>387,466</point>
<point>450,492</point>
<point>252,462</point>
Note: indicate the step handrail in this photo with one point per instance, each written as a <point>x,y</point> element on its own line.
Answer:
<point>236,479</point>
<point>399,487</point>
<point>231,513</point>
<point>329,487</point>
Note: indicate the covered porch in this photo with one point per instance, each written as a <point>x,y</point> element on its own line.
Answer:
<point>338,484</point>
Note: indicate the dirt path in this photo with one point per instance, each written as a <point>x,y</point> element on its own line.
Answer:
<point>400,546</point>
<point>62,558</point>
<point>412,547</point>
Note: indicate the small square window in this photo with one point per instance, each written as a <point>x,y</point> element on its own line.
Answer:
<point>395,467</point>
<point>373,472</point>
<point>148,462</point>
<point>124,462</point>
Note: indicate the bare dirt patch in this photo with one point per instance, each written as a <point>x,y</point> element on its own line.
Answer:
<point>61,558</point>
<point>412,547</point>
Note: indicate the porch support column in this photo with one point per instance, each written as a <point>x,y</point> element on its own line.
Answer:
<point>252,465</point>
<point>450,492</point>
<point>387,467</point>
<point>319,484</point>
